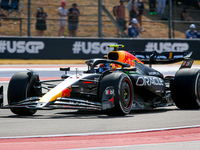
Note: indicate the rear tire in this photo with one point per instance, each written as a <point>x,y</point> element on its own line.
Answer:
<point>186,88</point>
<point>20,87</point>
<point>123,89</point>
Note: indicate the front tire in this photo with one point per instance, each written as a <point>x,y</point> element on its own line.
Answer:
<point>123,89</point>
<point>186,88</point>
<point>20,87</point>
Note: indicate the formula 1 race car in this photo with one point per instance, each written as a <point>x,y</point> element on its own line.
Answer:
<point>115,85</point>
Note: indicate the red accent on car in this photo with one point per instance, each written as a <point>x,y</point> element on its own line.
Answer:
<point>66,92</point>
<point>185,64</point>
<point>88,82</point>
<point>112,100</point>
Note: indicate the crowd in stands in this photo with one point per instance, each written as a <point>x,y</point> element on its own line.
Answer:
<point>135,9</point>
<point>9,4</point>
<point>72,14</point>
<point>73,18</point>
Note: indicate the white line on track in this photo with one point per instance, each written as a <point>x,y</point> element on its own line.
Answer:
<point>103,133</point>
<point>41,69</point>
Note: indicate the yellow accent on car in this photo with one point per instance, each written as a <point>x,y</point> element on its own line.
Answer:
<point>117,46</point>
<point>170,55</point>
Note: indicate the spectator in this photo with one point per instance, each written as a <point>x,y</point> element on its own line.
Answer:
<point>120,15</point>
<point>130,3</point>
<point>198,2</point>
<point>73,14</point>
<point>185,15</point>
<point>161,7</point>
<point>152,7</point>
<point>133,30</point>
<point>133,12</point>
<point>41,21</point>
<point>192,33</point>
<point>141,11</point>
<point>62,13</point>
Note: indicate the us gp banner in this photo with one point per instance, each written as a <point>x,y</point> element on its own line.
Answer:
<point>87,48</point>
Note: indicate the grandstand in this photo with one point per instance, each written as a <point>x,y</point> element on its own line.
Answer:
<point>10,8</point>
<point>88,27</point>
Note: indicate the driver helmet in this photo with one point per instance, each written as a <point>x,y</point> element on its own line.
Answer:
<point>106,66</point>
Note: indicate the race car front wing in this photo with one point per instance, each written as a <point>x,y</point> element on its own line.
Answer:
<point>59,103</point>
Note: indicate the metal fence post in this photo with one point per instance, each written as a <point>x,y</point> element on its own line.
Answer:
<point>20,26</point>
<point>100,18</point>
<point>170,19</point>
<point>114,21</point>
<point>29,17</point>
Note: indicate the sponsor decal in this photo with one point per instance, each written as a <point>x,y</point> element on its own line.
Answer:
<point>66,92</point>
<point>148,81</point>
<point>31,47</point>
<point>92,47</point>
<point>128,58</point>
<point>187,63</point>
<point>166,47</point>
<point>109,91</point>
<point>153,73</point>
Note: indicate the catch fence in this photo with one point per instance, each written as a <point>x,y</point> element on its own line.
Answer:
<point>16,23</point>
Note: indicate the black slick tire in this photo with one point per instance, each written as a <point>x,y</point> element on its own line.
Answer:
<point>21,87</point>
<point>123,88</point>
<point>186,88</point>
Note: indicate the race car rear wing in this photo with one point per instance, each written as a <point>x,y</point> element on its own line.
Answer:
<point>161,58</point>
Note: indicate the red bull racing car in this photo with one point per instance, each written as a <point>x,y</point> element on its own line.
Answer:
<point>115,85</point>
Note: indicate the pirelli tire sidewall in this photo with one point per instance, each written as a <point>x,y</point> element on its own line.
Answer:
<point>118,80</point>
<point>186,88</point>
<point>126,108</point>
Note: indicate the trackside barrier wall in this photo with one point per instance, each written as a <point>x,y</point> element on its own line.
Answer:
<point>87,48</point>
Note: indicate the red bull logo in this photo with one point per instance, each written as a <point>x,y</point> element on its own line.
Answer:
<point>124,57</point>
<point>66,92</point>
<point>130,59</point>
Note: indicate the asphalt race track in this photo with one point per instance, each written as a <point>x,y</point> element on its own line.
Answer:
<point>162,128</point>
